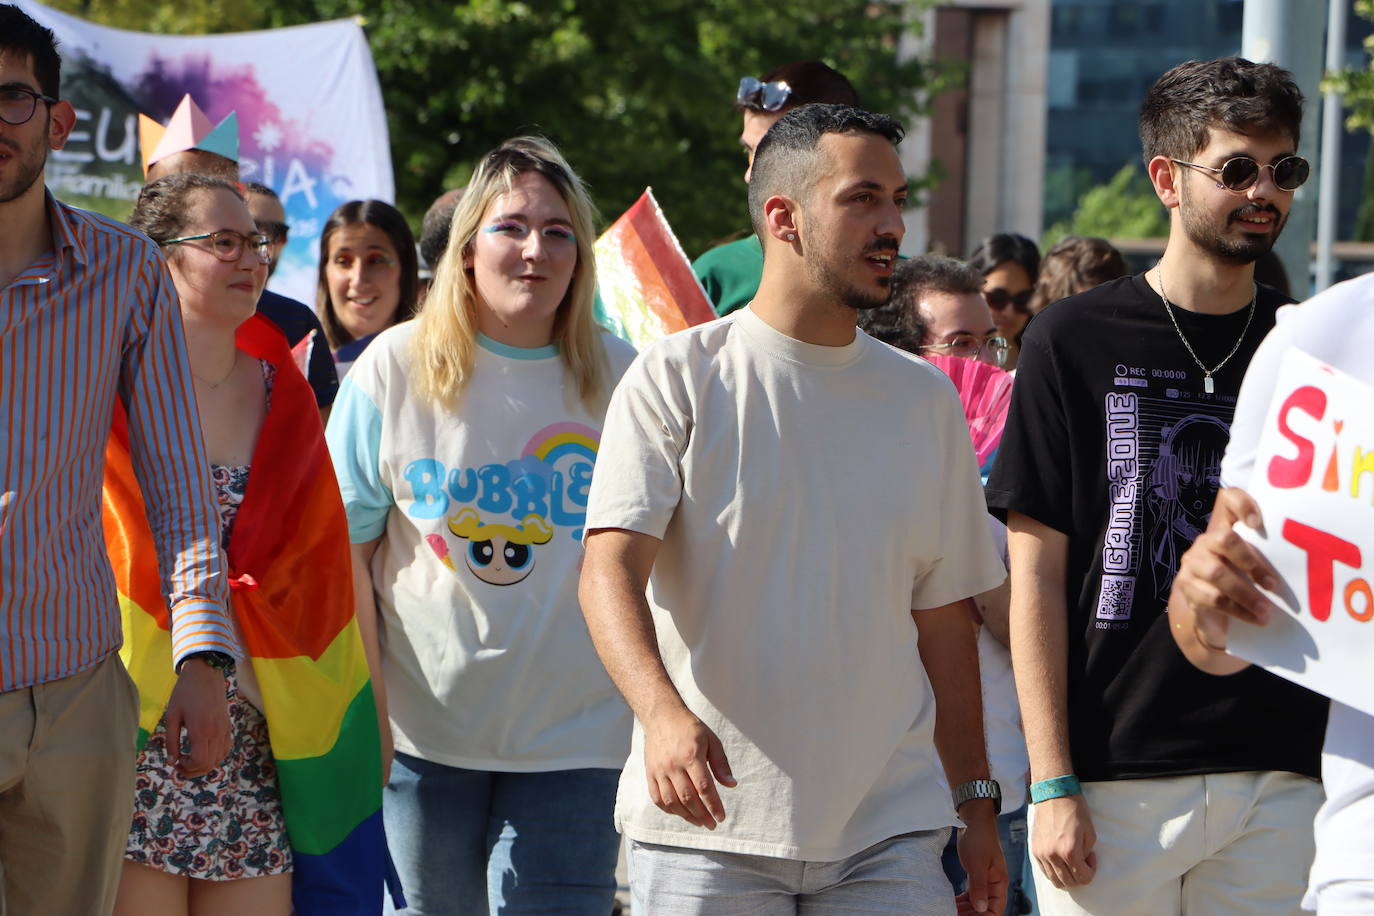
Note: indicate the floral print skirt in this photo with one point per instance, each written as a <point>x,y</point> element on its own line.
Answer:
<point>220,826</point>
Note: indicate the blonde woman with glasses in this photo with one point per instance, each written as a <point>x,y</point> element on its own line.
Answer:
<point>464,443</point>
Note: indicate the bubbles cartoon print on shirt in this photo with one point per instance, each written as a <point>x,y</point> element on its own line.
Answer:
<point>497,554</point>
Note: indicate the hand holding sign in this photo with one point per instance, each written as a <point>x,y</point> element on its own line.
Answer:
<point>1314,485</point>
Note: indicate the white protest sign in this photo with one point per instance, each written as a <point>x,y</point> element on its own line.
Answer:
<point>311,122</point>
<point>1314,482</point>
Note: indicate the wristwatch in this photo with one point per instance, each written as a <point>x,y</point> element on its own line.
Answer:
<point>978,788</point>
<point>220,661</point>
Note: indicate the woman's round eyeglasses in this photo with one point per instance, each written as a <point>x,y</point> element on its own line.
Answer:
<point>228,245</point>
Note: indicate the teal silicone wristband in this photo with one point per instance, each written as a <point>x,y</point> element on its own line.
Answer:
<point>1058,787</point>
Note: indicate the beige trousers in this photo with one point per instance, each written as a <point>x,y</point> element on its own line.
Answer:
<point>1224,844</point>
<point>66,791</point>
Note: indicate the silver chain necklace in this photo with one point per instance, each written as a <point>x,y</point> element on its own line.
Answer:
<point>1207,383</point>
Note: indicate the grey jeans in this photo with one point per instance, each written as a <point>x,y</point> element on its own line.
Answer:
<point>899,875</point>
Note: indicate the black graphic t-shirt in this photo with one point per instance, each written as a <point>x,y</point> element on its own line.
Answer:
<point>1113,440</point>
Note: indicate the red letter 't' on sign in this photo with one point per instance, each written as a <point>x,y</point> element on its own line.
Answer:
<point>1288,473</point>
<point>1324,551</point>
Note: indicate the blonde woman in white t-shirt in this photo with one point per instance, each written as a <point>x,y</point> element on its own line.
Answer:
<point>464,443</point>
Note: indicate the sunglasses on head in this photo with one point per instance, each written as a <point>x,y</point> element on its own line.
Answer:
<point>765,96</point>
<point>998,298</point>
<point>1241,173</point>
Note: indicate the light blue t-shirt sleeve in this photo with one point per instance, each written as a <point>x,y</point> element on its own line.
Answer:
<point>354,435</point>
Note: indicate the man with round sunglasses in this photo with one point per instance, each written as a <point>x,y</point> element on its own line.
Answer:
<point>730,272</point>
<point>89,316</point>
<point>1156,789</point>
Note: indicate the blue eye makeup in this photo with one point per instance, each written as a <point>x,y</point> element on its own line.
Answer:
<point>520,230</point>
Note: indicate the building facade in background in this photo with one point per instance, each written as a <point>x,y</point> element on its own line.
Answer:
<point>1048,109</point>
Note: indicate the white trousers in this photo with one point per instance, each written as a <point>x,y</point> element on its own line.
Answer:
<point>1223,844</point>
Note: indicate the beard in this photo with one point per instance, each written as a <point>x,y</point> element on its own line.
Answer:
<point>828,278</point>
<point>30,164</point>
<point>1211,236</point>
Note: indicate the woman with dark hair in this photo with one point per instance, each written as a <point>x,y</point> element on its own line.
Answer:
<point>1075,264</point>
<point>369,276</point>
<point>1010,265</point>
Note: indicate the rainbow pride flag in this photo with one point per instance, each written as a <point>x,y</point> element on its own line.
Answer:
<point>646,288</point>
<point>292,596</point>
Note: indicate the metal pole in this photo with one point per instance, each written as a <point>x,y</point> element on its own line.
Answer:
<point>1329,171</point>
<point>1286,32</point>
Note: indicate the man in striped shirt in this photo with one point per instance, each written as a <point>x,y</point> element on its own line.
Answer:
<point>87,314</point>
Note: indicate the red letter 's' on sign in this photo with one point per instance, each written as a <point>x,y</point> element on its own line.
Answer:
<point>1289,473</point>
<point>1324,551</point>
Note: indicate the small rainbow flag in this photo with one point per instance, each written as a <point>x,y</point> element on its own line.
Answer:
<point>646,288</point>
<point>292,596</point>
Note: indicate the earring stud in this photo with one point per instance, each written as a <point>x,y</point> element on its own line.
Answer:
<point>791,236</point>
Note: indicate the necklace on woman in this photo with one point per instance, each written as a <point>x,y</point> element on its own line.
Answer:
<point>1207,385</point>
<point>211,386</point>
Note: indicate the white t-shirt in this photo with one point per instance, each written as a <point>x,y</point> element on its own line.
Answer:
<point>1336,327</point>
<point>480,509</point>
<point>807,498</point>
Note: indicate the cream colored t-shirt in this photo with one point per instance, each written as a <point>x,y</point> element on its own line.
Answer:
<point>807,498</point>
<point>479,512</point>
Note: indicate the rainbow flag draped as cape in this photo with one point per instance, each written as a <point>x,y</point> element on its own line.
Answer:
<point>292,595</point>
<point>646,288</point>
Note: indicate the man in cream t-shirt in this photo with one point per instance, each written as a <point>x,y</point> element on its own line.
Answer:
<point>794,494</point>
<point>1216,581</point>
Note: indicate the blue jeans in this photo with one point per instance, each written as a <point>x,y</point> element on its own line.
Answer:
<point>1011,830</point>
<point>470,841</point>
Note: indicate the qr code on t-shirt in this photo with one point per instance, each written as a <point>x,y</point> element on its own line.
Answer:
<point>1114,601</point>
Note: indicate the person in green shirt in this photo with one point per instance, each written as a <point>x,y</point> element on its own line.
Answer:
<point>730,272</point>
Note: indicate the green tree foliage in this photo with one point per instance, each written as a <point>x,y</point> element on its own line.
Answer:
<point>1357,85</point>
<point>1364,217</point>
<point>197,17</point>
<point>636,94</point>
<point>1125,207</point>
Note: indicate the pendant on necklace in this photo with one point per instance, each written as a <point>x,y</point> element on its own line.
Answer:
<point>1207,385</point>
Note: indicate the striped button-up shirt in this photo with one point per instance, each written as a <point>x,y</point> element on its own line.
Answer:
<point>95,319</point>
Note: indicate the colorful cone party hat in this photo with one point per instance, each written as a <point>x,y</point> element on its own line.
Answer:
<point>189,128</point>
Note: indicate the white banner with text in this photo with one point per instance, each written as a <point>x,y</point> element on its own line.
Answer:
<point>1314,482</point>
<point>311,122</point>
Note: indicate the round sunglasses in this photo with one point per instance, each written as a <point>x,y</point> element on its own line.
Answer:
<point>1241,173</point>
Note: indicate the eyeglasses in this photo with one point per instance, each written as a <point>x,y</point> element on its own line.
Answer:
<point>1241,173</point>
<point>968,346</point>
<point>767,96</point>
<point>275,231</point>
<point>18,105</point>
<point>228,245</point>
<point>998,298</point>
